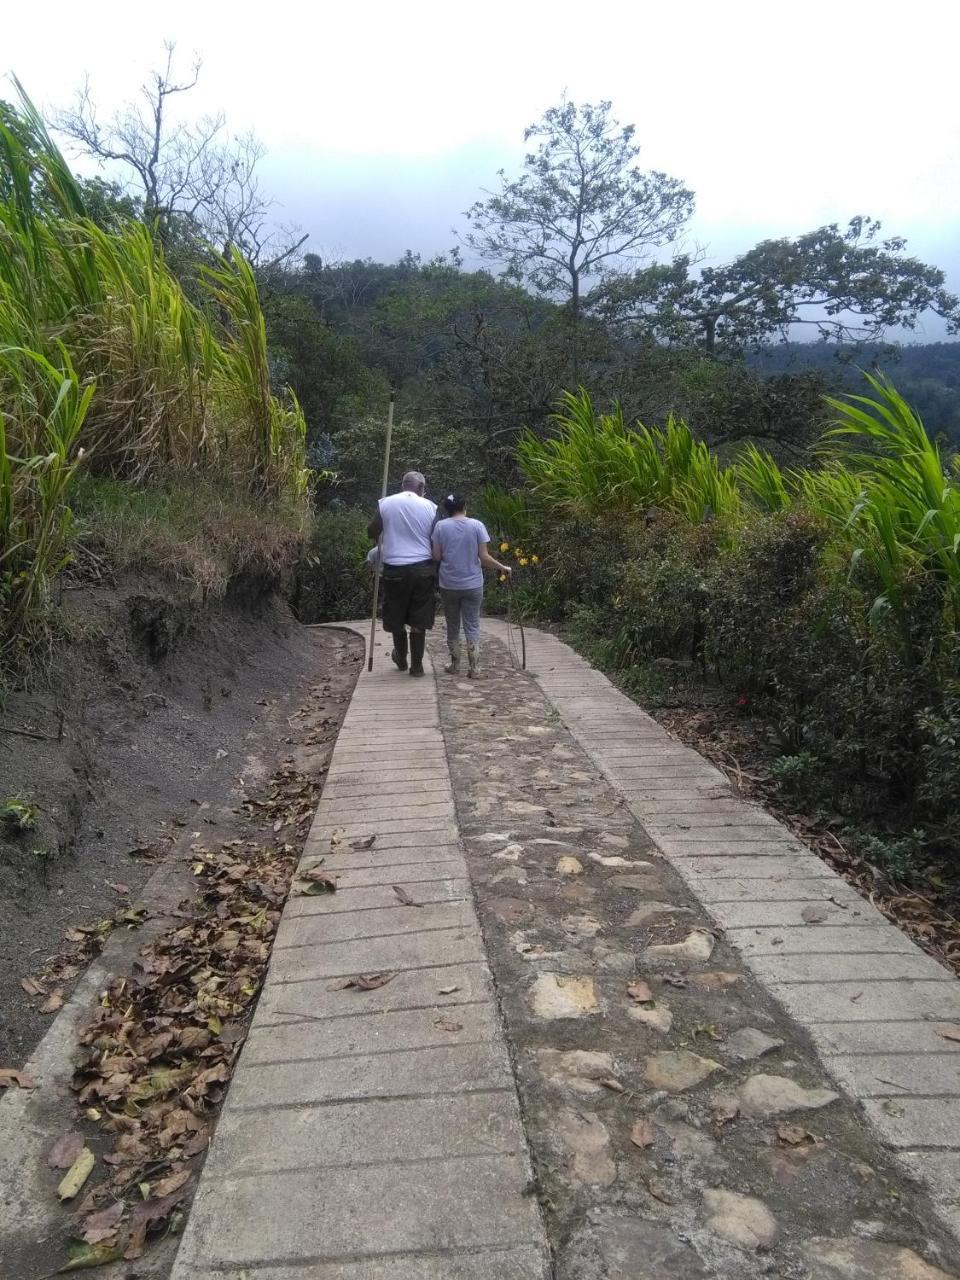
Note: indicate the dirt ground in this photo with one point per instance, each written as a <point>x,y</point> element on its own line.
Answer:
<point>155,714</point>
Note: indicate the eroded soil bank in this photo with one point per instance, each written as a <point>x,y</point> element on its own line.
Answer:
<point>157,713</point>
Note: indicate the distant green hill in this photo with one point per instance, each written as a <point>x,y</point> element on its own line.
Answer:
<point>926,374</point>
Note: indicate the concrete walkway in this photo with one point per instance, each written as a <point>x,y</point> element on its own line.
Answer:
<point>874,1004</point>
<point>375,1134</point>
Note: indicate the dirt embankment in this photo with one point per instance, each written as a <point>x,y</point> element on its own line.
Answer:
<point>152,716</point>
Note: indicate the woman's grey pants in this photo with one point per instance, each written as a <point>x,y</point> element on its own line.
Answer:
<point>462,607</point>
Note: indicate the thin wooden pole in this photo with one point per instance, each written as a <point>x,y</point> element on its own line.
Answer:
<point>376,570</point>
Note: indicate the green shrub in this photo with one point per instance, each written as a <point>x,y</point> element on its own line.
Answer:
<point>333,582</point>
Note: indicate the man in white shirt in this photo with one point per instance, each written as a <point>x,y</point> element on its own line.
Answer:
<point>406,521</point>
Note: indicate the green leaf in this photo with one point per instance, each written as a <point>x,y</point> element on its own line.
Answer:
<point>83,1256</point>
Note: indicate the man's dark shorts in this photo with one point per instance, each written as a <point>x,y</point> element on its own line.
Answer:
<point>409,596</point>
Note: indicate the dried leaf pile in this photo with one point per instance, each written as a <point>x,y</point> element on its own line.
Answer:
<point>155,1062</point>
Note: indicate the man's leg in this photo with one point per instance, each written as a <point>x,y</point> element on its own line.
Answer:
<point>418,643</point>
<point>470,604</point>
<point>399,654</point>
<point>421,607</point>
<point>396,589</point>
<point>451,612</point>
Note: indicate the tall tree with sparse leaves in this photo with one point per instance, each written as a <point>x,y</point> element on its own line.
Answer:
<point>581,210</point>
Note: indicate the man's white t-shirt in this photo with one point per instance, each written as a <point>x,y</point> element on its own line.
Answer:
<point>408,523</point>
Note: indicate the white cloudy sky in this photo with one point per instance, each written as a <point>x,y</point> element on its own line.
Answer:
<point>382,120</point>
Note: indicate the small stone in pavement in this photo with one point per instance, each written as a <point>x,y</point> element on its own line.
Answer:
<point>647,910</point>
<point>749,1043</point>
<point>852,1258</point>
<point>657,1016</point>
<point>557,995</point>
<point>678,1069</point>
<point>764,1096</point>
<point>569,867</point>
<point>743,1220</point>
<point>697,945</point>
<point>587,1144</point>
<point>577,1069</point>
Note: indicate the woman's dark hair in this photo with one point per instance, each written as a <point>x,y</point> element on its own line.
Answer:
<point>453,503</point>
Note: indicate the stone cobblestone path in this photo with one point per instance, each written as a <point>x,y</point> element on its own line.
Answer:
<point>614,1023</point>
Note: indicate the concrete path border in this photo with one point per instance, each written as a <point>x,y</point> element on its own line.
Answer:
<point>874,1004</point>
<point>374,1134</point>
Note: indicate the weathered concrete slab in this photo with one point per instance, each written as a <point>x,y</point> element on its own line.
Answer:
<point>480,1264</point>
<point>410,989</point>
<point>310,1039</point>
<point>377,1131</point>
<point>346,926</point>
<point>392,1208</point>
<point>374,1134</point>
<point>456,945</point>
<point>371,897</point>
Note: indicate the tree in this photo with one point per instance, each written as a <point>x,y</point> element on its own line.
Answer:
<point>846,284</point>
<point>581,209</point>
<point>183,175</point>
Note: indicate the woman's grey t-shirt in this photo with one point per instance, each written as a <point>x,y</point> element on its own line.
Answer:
<point>460,542</point>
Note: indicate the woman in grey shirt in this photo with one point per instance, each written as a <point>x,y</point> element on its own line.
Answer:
<point>462,546</point>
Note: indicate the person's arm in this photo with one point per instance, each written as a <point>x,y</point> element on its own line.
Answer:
<point>488,562</point>
<point>437,550</point>
<point>375,527</point>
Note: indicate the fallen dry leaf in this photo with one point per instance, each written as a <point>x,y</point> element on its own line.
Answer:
<point>32,987</point>
<point>364,981</point>
<point>614,1086</point>
<point>949,1033</point>
<point>317,883</point>
<point>172,1182</point>
<point>65,1150</point>
<point>405,897</point>
<point>447,1024</point>
<point>8,1077</point>
<point>53,1002</point>
<point>117,887</point>
<point>364,844</point>
<point>793,1134</point>
<point>642,1133</point>
<point>658,1190</point>
<point>147,1215</point>
<point>99,1227</point>
<point>448,991</point>
<point>79,1172</point>
<point>84,1256</point>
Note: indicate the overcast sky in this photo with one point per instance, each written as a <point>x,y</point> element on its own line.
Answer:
<point>382,120</point>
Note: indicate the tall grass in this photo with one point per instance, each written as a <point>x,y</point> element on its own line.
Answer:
<point>595,464</point>
<point>103,356</point>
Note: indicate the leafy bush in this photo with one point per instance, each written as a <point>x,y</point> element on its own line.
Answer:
<point>333,582</point>
<point>828,598</point>
<point>104,358</point>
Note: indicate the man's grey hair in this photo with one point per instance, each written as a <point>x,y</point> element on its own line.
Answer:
<point>415,480</point>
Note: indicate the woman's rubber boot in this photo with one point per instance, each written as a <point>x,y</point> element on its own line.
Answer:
<point>418,642</point>
<point>399,654</point>
<point>453,666</point>
<point>473,661</point>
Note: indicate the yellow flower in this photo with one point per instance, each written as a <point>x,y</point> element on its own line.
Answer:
<point>503,577</point>
<point>523,560</point>
<point>535,559</point>
<point>504,546</point>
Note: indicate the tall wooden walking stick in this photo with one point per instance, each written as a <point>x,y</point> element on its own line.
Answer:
<point>376,570</point>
